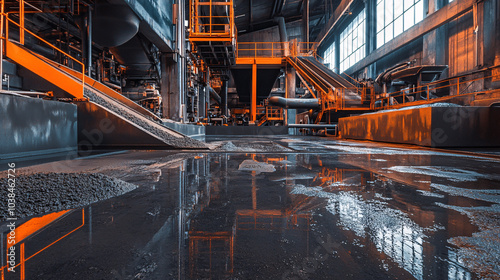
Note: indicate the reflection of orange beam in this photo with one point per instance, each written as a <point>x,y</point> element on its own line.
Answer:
<point>48,246</point>
<point>36,224</point>
<point>254,191</point>
<point>275,159</point>
<point>250,212</point>
<point>21,262</point>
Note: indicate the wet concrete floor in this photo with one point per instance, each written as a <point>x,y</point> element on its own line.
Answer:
<point>326,209</point>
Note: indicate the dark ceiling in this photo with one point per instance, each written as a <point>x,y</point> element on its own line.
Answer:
<point>252,15</point>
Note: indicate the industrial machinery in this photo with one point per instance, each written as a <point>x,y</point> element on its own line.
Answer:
<point>207,76</point>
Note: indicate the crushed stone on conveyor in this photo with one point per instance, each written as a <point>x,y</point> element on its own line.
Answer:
<point>168,136</point>
<point>49,192</point>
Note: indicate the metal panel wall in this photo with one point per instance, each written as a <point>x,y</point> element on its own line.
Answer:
<point>430,126</point>
<point>461,45</point>
<point>31,126</point>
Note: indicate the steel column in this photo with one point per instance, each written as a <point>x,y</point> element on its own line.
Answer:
<point>181,63</point>
<point>89,42</point>
<point>253,104</point>
<point>290,93</point>
<point>223,95</point>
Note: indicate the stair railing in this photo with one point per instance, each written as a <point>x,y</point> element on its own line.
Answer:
<point>22,30</point>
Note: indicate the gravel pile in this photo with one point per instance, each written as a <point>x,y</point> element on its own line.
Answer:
<point>171,138</point>
<point>49,192</point>
<point>236,146</point>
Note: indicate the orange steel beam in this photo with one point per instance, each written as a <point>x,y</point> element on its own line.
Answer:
<point>253,104</point>
<point>44,70</point>
<point>22,262</point>
<point>259,60</point>
<point>23,259</point>
<point>17,49</point>
<point>35,224</point>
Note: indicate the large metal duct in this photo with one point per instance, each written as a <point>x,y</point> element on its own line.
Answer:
<point>133,55</point>
<point>295,103</point>
<point>283,34</point>
<point>113,25</point>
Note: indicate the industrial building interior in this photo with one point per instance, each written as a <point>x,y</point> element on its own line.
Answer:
<point>250,139</point>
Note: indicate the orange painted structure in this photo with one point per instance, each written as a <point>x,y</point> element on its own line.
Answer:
<point>213,31</point>
<point>27,231</point>
<point>450,126</point>
<point>217,25</point>
<point>73,86</point>
<point>335,92</point>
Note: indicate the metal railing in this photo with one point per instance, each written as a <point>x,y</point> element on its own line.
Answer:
<point>206,21</point>
<point>259,49</point>
<point>22,31</point>
<point>304,48</point>
<point>454,87</point>
<point>275,49</point>
<point>274,113</point>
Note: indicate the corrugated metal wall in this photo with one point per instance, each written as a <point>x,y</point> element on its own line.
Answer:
<point>461,44</point>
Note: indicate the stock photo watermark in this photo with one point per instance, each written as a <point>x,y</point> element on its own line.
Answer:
<point>11,218</point>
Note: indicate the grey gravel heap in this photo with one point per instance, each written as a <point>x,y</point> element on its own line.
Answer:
<point>173,139</point>
<point>49,192</point>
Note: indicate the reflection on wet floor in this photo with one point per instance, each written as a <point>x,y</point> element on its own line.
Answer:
<point>329,211</point>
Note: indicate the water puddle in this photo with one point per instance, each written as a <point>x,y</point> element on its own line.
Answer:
<point>276,216</point>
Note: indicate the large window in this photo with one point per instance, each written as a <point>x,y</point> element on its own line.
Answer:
<point>352,42</point>
<point>396,16</point>
<point>329,57</point>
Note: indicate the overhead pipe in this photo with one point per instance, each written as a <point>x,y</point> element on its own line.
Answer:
<point>295,103</point>
<point>283,34</point>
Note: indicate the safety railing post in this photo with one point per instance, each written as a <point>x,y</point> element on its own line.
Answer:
<point>6,28</point>
<point>210,18</point>
<point>83,80</point>
<point>21,22</point>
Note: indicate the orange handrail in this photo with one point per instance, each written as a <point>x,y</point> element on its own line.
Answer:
<point>202,30</point>
<point>427,88</point>
<point>22,29</point>
<point>273,49</point>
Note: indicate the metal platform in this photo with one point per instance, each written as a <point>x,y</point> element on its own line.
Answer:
<point>428,126</point>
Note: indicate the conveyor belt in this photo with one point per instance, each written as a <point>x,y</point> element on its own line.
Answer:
<point>324,79</point>
<point>324,72</point>
<point>120,107</point>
